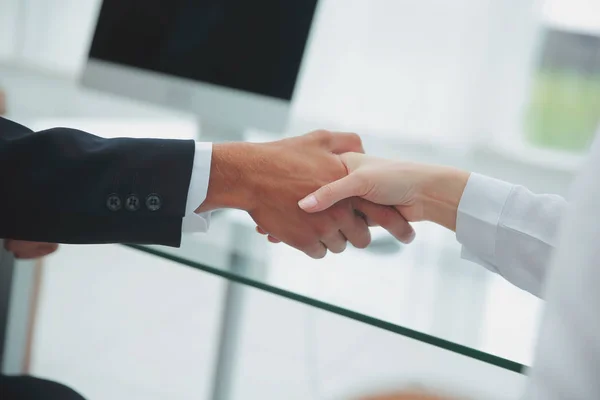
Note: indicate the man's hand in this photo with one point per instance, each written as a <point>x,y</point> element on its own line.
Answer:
<point>267,180</point>
<point>26,250</point>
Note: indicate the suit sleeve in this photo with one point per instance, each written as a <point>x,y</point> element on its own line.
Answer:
<point>68,186</point>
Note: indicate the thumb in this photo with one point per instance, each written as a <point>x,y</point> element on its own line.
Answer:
<point>331,193</point>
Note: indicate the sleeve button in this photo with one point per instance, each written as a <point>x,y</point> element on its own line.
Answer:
<point>132,203</point>
<point>113,202</point>
<point>153,202</point>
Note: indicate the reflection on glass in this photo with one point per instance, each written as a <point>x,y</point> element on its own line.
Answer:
<point>564,109</point>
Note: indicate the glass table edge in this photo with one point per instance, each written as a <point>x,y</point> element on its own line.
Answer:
<point>407,332</point>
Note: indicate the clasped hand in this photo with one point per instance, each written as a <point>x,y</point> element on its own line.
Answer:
<point>415,192</point>
<point>268,179</point>
<point>292,168</point>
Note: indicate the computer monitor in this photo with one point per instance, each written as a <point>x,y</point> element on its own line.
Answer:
<point>234,63</point>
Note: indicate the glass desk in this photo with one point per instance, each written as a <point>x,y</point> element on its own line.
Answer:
<point>422,291</point>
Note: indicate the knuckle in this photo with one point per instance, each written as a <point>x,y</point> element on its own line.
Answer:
<point>338,214</point>
<point>355,141</point>
<point>322,136</point>
<point>323,230</point>
<point>304,243</point>
<point>322,226</point>
<point>355,137</point>
<point>384,216</point>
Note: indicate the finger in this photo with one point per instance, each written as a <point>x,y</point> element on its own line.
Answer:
<point>343,142</point>
<point>28,255</point>
<point>336,243</point>
<point>25,244</point>
<point>52,247</point>
<point>364,217</point>
<point>8,245</point>
<point>273,239</point>
<point>46,248</point>
<point>328,195</point>
<point>32,253</point>
<point>270,238</point>
<point>352,161</point>
<point>24,249</point>
<point>357,232</point>
<point>388,218</point>
<point>318,250</point>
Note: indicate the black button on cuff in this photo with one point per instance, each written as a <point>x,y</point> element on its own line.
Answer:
<point>132,203</point>
<point>153,202</point>
<point>113,202</point>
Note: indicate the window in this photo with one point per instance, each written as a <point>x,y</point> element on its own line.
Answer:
<point>564,105</point>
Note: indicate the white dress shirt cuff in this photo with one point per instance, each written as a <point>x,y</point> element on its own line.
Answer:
<point>479,213</point>
<point>466,254</point>
<point>198,189</point>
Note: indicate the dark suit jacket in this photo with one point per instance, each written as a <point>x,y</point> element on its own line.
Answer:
<point>67,186</point>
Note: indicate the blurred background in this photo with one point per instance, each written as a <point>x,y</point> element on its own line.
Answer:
<point>509,88</point>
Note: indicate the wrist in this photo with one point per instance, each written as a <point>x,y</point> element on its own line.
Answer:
<point>228,185</point>
<point>440,194</point>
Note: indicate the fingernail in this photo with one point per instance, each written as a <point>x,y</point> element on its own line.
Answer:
<point>308,202</point>
<point>411,237</point>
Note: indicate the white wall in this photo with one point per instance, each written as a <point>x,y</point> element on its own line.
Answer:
<point>415,69</point>
<point>9,17</point>
<point>580,15</point>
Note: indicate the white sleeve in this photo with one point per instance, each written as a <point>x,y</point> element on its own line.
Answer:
<point>193,222</point>
<point>509,230</point>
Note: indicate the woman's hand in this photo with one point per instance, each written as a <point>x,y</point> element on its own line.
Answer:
<point>420,192</point>
<point>378,180</point>
<point>26,250</point>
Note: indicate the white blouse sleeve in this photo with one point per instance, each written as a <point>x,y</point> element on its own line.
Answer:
<point>509,230</point>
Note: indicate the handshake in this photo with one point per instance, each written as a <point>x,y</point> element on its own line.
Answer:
<point>319,191</point>
<point>299,191</point>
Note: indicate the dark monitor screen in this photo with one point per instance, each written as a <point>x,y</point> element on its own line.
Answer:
<point>251,45</point>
